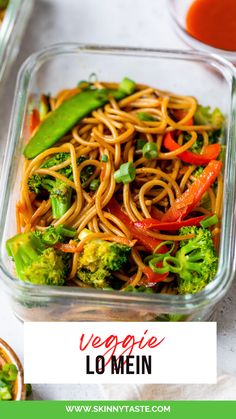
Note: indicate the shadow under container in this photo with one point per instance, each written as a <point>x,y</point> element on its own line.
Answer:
<point>211,80</point>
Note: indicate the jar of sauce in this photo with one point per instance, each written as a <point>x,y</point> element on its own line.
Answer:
<point>213,22</point>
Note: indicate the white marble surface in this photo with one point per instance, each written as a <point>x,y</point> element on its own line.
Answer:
<point>141,23</point>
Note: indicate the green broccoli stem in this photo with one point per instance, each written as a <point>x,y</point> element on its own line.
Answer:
<point>60,202</point>
<point>99,259</point>
<point>35,262</point>
<point>59,192</point>
<point>24,249</point>
<point>66,231</point>
<point>196,267</point>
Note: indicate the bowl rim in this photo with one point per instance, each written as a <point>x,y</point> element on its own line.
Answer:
<point>13,358</point>
<point>194,42</point>
<point>180,303</point>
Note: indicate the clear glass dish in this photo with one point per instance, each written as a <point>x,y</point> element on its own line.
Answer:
<point>11,32</point>
<point>178,11</point>
<point>212,80</point>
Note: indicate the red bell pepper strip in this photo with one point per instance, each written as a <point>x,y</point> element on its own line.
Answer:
<point>34,120</point>
<point>156,213</point>
<point>149,243</point>
<point>212,151</point>
<point>152,277</point>
<point>183,205</point>
<point>151,223</point>
<point>180,114</point>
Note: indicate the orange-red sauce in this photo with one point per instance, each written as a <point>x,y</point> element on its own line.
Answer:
<point>213,22</point>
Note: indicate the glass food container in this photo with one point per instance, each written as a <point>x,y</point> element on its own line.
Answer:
<point>178,10</point>
<point>212,80</point>
<point>11,32</point>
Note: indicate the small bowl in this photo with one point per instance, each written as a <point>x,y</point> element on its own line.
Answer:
<point>178,10</point>
<point>7,355</point>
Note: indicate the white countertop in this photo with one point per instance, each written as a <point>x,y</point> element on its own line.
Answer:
<point>141,23</point>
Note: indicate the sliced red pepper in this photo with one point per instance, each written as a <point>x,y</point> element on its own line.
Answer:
<point>183,205</point>
<point>34,120</point>
<point>152,277</point>
<point>180,114</point>
<point>212,151</point>
<point>149,243</point>
<point>156,213</point>
<point>151,223</point>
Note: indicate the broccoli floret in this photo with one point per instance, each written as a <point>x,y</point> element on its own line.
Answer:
<point>38,184</point>
<point>58,159</point>
<point>67,171</point>
<point>55,160</point>
<point>195,263</point>
<point>35,262</point>
<point>196,259</point>
<point>35,184</point>
<point>47,269</point>
<point>99,259</point>
<point>197,146</point>
<point>60,193</point>
<point>204,116</point>
<point>60,196</point>
<point>53,235</point>
<point>86,172</point>
<point>97,278</point>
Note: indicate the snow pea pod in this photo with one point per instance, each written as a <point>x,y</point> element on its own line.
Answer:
<point>69,113</point>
